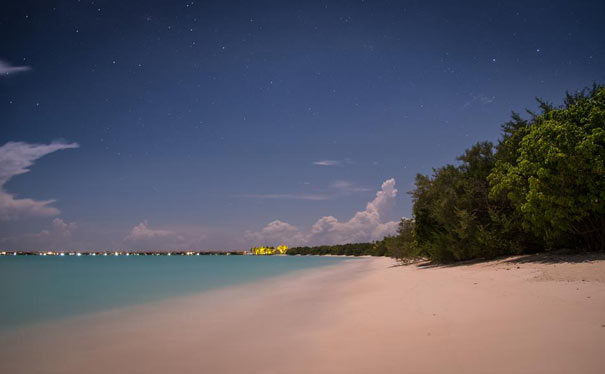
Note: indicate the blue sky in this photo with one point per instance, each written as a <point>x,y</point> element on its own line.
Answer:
<point>199,123</point>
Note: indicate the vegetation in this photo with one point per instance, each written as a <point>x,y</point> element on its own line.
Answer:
<point>352,249</point>
<point>267,251</point>
<point>542,187</point>
<point>555,175</point>
<point>402,245</point>
<point>398,246</point>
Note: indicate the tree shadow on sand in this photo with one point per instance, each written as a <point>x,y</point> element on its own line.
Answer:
<point>557,257</point>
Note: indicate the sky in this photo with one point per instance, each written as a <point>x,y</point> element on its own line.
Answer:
<point>221,125</point>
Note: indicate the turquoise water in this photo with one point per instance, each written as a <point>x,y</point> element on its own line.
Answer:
<point>36,288</point>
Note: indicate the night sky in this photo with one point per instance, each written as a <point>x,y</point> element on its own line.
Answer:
<point>219,125</point>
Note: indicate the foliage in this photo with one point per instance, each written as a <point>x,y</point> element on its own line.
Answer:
<point>454,216</point>
<point>541,187</point>
<point>555,176</point>
<point>351,249</point>
<point>402,245</point>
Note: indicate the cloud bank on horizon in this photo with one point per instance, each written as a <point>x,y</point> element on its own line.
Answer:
<point>15,159</point>
<point>365,225</point>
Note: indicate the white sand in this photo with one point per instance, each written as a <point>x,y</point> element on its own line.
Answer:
<point>363,316</point>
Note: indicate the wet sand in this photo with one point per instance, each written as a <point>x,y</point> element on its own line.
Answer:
<point>518,315</point>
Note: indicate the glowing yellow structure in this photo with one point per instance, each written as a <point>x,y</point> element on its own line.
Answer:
<point>267,251</point>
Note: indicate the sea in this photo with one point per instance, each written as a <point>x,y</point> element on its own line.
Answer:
<point>36,289</point>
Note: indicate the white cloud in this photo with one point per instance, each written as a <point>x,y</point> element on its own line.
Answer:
<point>346,187</point>
<point>480,100</point>
<point>334,190</point>
<point>277,232</point>
<point>365,225</point>
<point>286,196</point>
<point>15,159</point>
<point>143,232</point>
<point>62,228</point>
<point>143,237</point>
<point>59,230</point>
<point>328,163</point>
<point>57,236</point>
<point>7,69</point>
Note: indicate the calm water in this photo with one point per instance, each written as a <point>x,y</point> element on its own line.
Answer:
<point>36,288</point>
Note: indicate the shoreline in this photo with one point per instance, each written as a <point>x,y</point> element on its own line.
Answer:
<point>82,286</point>
<point>367,315</point>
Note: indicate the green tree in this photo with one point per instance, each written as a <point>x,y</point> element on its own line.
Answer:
<point>402,245</point>
<point>557,181</point>
<point>454,217</point>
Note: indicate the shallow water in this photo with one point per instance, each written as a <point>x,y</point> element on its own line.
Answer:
<point>37,288</point>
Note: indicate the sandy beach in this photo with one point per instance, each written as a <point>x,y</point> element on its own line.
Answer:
<point>518,315</point>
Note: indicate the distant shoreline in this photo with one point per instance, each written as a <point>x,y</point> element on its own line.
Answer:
<point>123,253</point>
<point>159,253</point>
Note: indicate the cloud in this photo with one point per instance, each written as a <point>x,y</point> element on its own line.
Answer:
<point>56,236</point>
<point>62,228</point>
<point>328,163</point>
<point>286,196</point>
<point>15,159</point>
<point>480,100</point>
<point>59,230</point>
<point>335,189</point>
<point>346,187</point>
<point>6,69</point>
<point>277,232</point>
<point>143,232</point>
<point>143,237</point>
<point>365,225</point>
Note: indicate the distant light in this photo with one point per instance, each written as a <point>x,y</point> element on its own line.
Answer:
<point>62,254</point>
<point>78,254</point>
<point>127,254</point>
<point>116,253</point>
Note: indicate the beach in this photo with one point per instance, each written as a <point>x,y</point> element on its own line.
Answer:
<point>535,314</point>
